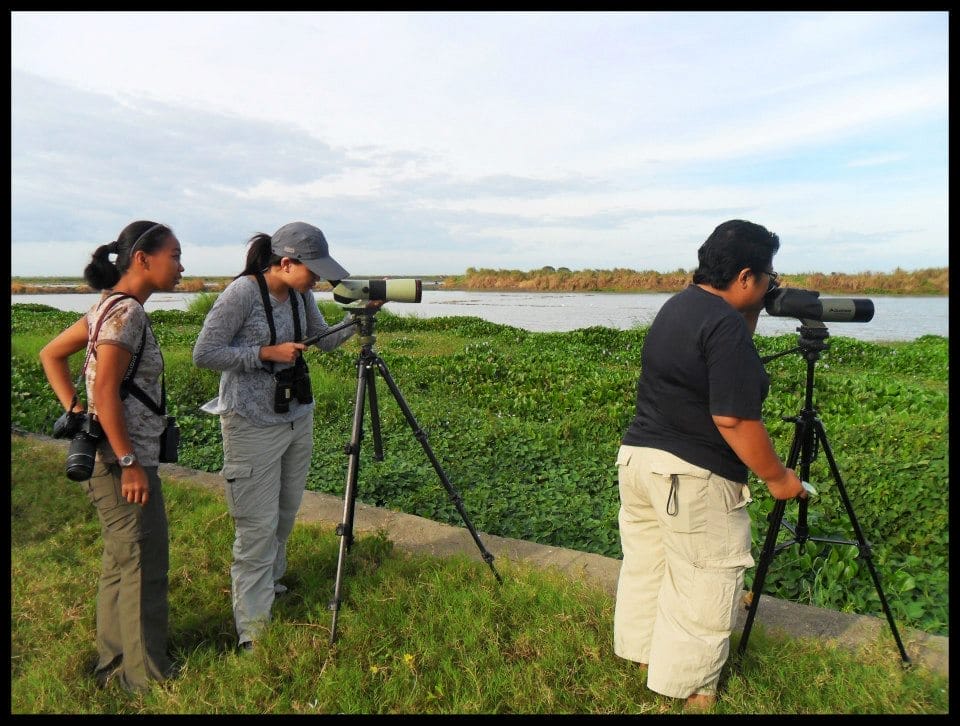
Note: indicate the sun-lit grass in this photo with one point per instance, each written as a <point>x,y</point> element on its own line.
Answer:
<point>417,634</point>
<point>929,281</point>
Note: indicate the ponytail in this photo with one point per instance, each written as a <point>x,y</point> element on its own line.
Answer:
<point>101,273</point>
<point>259,255</point>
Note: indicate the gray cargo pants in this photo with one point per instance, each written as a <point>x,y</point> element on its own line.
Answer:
<point>265,468</point>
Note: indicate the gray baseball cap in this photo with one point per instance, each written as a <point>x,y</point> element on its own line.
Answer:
<point>304,242</point>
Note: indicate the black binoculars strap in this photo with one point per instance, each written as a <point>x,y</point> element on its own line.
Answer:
<point>268,308</point>
<point>127,386</point>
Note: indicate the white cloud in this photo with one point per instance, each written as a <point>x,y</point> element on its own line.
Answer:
<point>484,139</point>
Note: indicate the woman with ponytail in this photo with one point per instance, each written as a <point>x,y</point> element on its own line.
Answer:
<point>252,334</point>
<point>124,486</point>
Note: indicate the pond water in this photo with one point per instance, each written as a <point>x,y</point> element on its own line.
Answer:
<point>895,318</point>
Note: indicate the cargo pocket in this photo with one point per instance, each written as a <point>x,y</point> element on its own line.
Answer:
<point>236,475</point>
<point>728,536</point>
<point>123,520</point>
<point>717,592</point>
<point>684,505</point>
<point>102,488</point>
<point>731,495</point>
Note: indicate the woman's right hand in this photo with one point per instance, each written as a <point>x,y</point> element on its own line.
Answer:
<point>134,485</point>
<point>787,486</point>
<point>282,352</point>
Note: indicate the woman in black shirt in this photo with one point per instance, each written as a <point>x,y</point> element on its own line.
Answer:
<point>683,464</point>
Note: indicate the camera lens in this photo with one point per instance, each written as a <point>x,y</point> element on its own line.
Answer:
<point>83,451</point>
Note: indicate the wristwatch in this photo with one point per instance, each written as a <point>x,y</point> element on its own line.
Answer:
<point>127,460</point>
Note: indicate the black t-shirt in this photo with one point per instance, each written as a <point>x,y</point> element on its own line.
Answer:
<point>698,361</point>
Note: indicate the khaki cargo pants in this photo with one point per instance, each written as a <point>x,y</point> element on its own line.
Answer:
<point>132,608</point>
<point>685,535</point>
<point>265,468</point>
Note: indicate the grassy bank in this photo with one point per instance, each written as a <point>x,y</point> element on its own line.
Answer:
<point>527,426</point>
<point>416,634</point>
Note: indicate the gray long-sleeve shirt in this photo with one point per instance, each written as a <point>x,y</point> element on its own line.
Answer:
<point>230,340</point>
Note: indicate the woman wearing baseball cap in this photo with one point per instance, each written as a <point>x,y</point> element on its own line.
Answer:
<point>265,403</point>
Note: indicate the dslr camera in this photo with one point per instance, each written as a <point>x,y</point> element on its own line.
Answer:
<point>293,382</point>
<point>85,433</point>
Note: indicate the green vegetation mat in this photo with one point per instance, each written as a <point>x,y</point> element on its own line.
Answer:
<point>527,425</point>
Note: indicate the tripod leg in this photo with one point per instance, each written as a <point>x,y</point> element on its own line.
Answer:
<point>800,443</point>
<point>374,413</point>
<point>421,436</point>
<point>766,557</point>
<point>862,543</point>
<point>345,528</point>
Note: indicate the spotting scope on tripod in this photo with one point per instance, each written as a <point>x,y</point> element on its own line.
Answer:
<point>369,363</point>
<point>809,438</point>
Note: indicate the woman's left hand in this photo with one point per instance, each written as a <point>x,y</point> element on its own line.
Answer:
<point>375,304</point>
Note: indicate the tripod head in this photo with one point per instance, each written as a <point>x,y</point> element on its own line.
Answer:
<point>813,341</point>
<point>365,319</point>
<point>360,315</point>
<point>813,338</point>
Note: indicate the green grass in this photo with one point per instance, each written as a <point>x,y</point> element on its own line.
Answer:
<point>417,634</point>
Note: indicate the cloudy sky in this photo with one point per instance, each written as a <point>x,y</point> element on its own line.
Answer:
<point>426,143</point>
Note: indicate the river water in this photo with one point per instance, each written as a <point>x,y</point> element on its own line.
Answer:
<point>895,318</point>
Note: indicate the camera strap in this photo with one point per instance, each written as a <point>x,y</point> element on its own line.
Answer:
<point>268,308</point>
<point>127,386</point>
<point>92,341</point>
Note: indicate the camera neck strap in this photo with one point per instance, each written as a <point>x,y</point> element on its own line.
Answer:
<point>111,299</point>
<point>268,308</point>
<point>127,386</point>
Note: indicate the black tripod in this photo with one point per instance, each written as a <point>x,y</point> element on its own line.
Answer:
<point>808,435</point>
<point>368,363</point>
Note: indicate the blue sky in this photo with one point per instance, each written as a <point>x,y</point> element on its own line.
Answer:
<point>429,142</point>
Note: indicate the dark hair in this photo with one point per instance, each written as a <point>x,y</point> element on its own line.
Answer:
<point>733,246</point>
<point>260,255</point>
<point>102,274</point>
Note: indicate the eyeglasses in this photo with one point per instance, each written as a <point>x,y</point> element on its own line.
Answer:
<point>774,280</point>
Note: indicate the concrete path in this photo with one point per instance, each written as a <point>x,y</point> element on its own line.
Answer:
<point>417,534</point>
